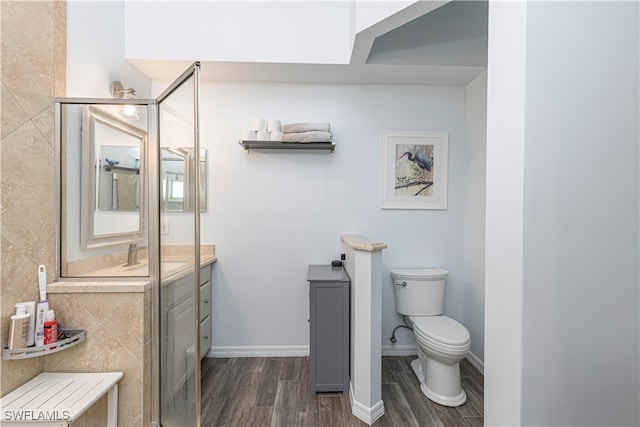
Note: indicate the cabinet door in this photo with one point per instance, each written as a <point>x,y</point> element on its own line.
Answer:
<point>179,319</point>
<point>329,336</point>
<point>205,337</point>
<point>205,274</point>
<point>205,300</point>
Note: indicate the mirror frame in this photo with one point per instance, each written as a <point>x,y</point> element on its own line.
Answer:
<point>186,158</point>
<point>90,116</point>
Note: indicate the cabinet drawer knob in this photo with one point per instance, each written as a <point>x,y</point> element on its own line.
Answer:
<point>206,337</point>
<point>206,301</point>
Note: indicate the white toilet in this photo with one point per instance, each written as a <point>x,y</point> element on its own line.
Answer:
<point>442,342</point>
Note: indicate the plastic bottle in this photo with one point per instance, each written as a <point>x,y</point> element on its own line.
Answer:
<point>50,328</point>
<point>31,309</point>
<point>19,331</point>
<point>41,314</point>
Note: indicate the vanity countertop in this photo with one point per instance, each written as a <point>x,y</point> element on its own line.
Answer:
<point>171,269</point>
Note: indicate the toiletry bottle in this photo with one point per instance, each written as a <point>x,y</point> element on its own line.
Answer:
<point>41,313</point>
<point>31,309</point>
<point>50,328</point>
<point>19,331</point>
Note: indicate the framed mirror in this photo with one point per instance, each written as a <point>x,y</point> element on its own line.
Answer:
<point>112,187</point>
<point>176,169</point>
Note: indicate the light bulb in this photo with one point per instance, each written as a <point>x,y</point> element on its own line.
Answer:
<point>130,111</point>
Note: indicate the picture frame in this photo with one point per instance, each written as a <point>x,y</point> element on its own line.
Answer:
<point>414,170</point>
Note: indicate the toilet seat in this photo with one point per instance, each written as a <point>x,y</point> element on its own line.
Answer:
<point>442,332</point>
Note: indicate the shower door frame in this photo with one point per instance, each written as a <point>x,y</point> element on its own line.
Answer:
<point>154,242</point>
<point>153,210</point>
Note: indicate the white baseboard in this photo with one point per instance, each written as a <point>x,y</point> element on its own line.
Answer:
<point>259,351</point>
<point>295,351</point>
<point>363,412</point>
<point>399,350</point>
<point>476,362</point>
<point>303,350</point>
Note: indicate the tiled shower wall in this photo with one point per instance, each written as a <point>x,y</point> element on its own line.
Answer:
<point>33,72</point>
<point>33,37</point>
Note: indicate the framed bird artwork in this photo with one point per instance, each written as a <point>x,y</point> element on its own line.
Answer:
<point>414,170</point>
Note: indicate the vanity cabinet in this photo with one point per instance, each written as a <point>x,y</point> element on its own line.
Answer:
<point>177,317</point>
<point>205,310</point>
<point>329,328</point>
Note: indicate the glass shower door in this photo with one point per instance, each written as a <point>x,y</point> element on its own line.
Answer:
<point>179,239</point>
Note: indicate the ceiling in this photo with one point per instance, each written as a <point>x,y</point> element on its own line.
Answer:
<point>436,45</point>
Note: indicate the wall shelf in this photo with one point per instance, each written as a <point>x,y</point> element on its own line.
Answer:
<point>276,145</point>
<point>72,337</point>
<point>115,168</point>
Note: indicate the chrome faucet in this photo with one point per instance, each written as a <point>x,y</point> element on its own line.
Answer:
<point>132,256</point>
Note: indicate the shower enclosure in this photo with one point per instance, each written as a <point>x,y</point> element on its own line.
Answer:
<point>114,190</point>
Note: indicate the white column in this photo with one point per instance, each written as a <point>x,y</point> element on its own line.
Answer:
<point>364,267</point>
<point>504,212</point>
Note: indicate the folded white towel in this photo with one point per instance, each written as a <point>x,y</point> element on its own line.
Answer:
<point>305,127</point>
<point>276,135</point>
<point>311,136</point>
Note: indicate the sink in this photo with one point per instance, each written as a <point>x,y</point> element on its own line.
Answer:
<point>142,269</point>
<point>139,266</point>
<point>167,267</point>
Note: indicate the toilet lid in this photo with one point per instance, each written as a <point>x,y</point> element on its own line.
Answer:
<point>442,329</point>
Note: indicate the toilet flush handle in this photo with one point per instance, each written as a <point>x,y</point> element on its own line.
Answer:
<point>404,284</point>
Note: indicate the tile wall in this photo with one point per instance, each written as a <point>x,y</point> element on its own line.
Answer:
<point>33,73</point>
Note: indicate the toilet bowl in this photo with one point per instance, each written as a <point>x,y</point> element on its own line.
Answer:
<point>442,342</point>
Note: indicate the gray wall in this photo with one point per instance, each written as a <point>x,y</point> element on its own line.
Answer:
<point>580,310</point>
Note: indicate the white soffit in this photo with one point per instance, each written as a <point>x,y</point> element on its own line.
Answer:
<point>313,73</point>
<point>421,43</point>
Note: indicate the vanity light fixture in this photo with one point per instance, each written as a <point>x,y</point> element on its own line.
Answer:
<point>118,91</point>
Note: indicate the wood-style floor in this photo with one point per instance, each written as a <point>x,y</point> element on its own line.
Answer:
<point>274,391</point>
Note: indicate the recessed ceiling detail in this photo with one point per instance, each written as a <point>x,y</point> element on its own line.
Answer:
<point>435,42</point>
<point>452,35</point>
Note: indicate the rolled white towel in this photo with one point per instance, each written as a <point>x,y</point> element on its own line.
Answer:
<point>262,135</point>
<point>305,127</point>
<point>311,136</point>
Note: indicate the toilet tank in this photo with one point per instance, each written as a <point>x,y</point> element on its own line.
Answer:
<point>419,292</point>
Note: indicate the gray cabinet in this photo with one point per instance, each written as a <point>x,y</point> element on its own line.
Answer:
<point>329,328</point>
<point>205,310</point>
